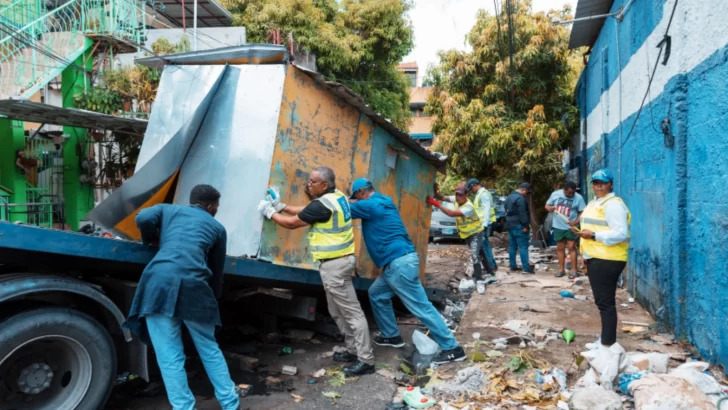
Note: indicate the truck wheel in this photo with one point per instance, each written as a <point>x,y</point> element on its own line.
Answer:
<point>55,358</point>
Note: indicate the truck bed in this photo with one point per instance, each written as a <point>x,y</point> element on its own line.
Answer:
<point>29,247</point>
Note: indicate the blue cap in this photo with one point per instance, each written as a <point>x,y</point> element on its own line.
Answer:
<point>471,183</point>
<point>603,175</point>
<point>360,184</point>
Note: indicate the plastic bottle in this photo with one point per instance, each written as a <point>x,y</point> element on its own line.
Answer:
<point>424,344</point>
<point>566,294</point>
<point>414,398</point>
<point>480,286</point>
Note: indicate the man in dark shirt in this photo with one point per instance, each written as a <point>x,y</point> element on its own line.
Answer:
<point>391,249</point>
<point>181,286</point>
<point>518,225</point>
<point>331,243</point>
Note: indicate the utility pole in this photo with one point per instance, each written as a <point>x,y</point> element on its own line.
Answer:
<point>194,18</point>
<point>509,12</point>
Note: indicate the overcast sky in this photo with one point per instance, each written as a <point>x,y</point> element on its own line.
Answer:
<point>443,24</point>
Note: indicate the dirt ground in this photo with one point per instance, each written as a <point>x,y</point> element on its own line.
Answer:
<point>531,298</point>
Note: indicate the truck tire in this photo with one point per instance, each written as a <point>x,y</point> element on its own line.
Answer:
<point>53,359</point>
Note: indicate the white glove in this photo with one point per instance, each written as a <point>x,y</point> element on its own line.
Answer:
<point>275,199</point>
<point>266,209</point>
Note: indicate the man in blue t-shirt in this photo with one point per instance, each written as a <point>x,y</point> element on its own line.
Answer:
<point>567,205</point>
<point>391,249</point>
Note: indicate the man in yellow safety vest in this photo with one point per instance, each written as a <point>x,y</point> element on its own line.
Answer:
<point>470,227</point>
<point>331,242</point>
<point>483,204</point>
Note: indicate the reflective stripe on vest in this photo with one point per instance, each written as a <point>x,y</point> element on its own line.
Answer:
<point>468,227</point>
<point>479,205</point>
<point>594,219</point>
<point>335,237</point>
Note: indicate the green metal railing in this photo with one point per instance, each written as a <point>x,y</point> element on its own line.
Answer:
<point>38,41</point>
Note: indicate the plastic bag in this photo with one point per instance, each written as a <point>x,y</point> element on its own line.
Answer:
<point>693,372</point>
<point>652,362</point>
<point>608,362</point>
<point>661,391</point>
<point>424,344</point>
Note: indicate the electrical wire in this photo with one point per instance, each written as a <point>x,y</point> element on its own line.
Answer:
<point>649,84</point>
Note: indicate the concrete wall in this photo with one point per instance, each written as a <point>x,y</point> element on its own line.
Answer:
<point>675,190</point>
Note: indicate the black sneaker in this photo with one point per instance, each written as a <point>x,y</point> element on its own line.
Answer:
<point>529,272</point>
<point>560,274</point>
<point>395,341</point>
<point>344,357</point>
<point>516,269</point>
<point>453,355</point>
<point>359,368</point>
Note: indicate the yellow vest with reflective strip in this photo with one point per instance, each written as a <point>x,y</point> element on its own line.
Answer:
<point>335,237</point>
<point>479,205</point>
<point>468,227</point>
<point>595,220</point>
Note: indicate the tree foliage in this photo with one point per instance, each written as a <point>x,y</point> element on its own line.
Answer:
<point>356,42</point>
<point>501,122</point>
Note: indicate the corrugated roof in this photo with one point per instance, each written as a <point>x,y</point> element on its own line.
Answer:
<point>586,32</point>
<point>209,13</point>
<point>26,110</point>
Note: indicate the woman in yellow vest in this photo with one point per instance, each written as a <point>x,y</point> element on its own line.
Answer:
<point>605,241</point>
<point>469,225</point>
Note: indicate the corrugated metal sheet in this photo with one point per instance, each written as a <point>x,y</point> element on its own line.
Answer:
<point>245,54</point>
<point>234,150</point>
<point>585,33</point>
<point>153,180</point>
<point>209,13</point>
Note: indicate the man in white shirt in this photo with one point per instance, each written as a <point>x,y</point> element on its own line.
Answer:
<point>483,204</point>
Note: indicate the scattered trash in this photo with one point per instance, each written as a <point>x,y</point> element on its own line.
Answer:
<point>332,395</point>
<point>422,362</point>
<point>581,297</point>
<point>466,286</point>
<point>625,379</point>
<point>520,327</point>
<point>500,346</point>
<point>477,356</point>
<point>311,381</point>
<point>560,378</point>
<point>696,373</point>
<point>298,334</point>
<point>566,294</point>
<point>423,343</point>
<point>630,300</point>
<point>467,380</point>
<point>243,389</point>
<point>476,336</point>
<point>606,364</point>
<point>634,329</point>
<point>297,398</point>
<point>568,335</point>
<point>244,363</point>
<point>480,287</point>
<point>636,323</point>
<point>652,362</point>
<point>285,351</point>
<point>396,406</point>
<point>595,399</point>
<point>319,373</point>
<point>289,370</point>
<point>387,374</point>
<point>416,400</point>
<point>668,392</point>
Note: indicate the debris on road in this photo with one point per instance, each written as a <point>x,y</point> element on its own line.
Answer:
<point>289,370</point>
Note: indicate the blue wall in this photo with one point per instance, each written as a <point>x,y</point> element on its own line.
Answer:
<point>678,266</point>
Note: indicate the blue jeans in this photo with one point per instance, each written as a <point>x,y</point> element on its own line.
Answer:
<point>166,335</point>
<point>402,278</point>
<point>518,239</point>
<point>487,249</point>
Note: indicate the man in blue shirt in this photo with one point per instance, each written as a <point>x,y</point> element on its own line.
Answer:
<point>180,286</point>
<point>390,248</point>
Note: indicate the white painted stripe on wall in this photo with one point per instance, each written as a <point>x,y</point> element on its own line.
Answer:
<point>698,30</point>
